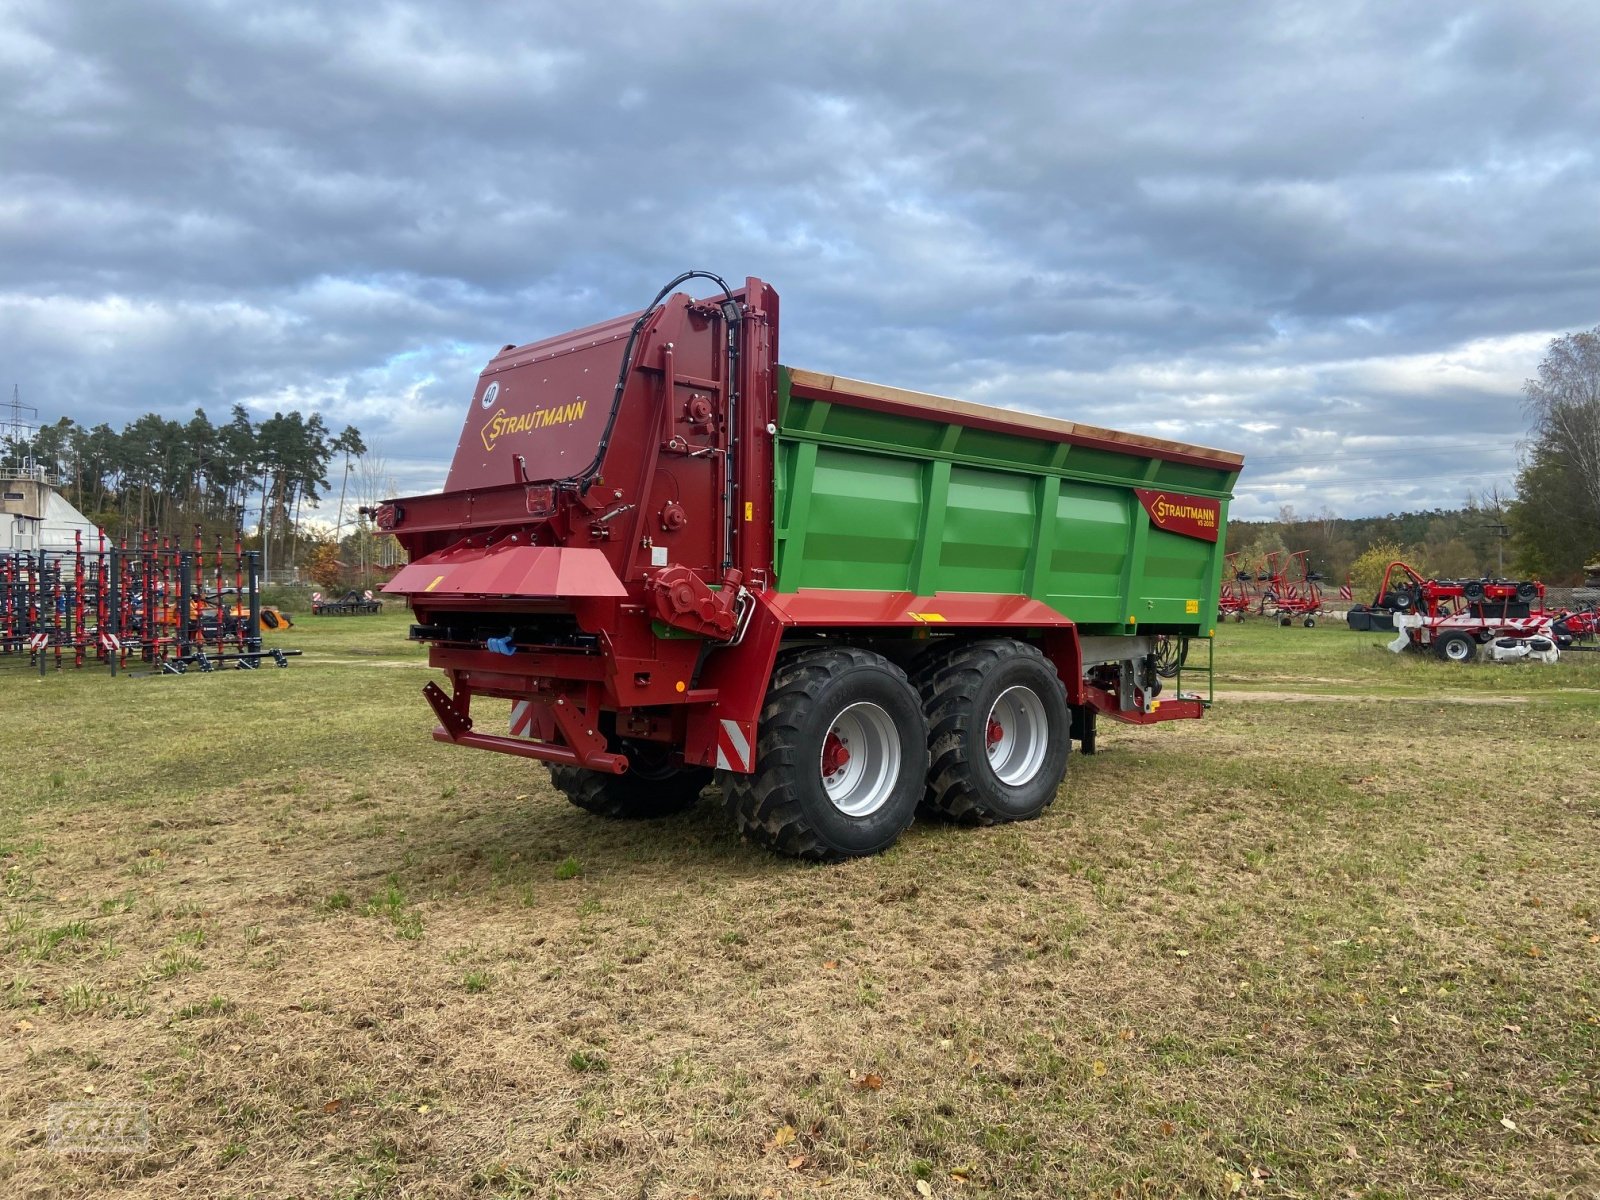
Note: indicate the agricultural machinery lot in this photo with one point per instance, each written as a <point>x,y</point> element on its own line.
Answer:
<point>1339,938</point>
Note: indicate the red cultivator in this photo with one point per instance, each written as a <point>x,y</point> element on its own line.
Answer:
<point>152,602</point>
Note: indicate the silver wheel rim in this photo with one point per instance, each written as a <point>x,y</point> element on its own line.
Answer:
<point>860,759</point>
<point>1017,735</point>
<point>1458,650</point>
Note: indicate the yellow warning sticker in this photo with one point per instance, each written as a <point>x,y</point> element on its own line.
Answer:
<point>437,580</point>
<point>749,510</point>
<point>1191,606</point>
<point>926,616</point>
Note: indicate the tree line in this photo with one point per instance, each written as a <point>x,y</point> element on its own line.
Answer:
<point>1556,513</point>
<point>1460,543</point>
<point>162,474</point>
<point>1549,530</point>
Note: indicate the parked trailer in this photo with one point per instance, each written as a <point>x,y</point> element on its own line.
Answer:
<point>849,599</point>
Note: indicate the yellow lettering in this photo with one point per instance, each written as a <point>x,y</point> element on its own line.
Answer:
<point>501,425</point>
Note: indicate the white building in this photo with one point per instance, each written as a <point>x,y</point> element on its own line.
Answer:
<point>34,516</point>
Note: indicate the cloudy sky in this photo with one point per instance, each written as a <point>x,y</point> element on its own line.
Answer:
<point>1335,236</point>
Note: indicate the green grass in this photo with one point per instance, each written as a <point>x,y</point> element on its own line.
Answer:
<point>1316,947</point>
<point>1260,655</point>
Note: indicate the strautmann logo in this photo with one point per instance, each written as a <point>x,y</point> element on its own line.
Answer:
<point>1166,510</point>
<point>500,424</point>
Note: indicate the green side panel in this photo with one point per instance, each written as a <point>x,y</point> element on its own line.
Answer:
<point>863,520</point>
<point>885,502</point>
<point>989,527</point>
<point>1093,531</point>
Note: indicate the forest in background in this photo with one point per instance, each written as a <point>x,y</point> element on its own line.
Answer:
<point>168,475</point>
<point>261,477</point>
<point>1468,542</point>
<point>1549,530</point>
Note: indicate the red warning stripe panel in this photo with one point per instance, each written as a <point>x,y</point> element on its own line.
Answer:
<point>733,747</point>
<point>521,718</point>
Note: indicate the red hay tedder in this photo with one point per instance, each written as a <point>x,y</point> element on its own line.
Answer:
<point>1294,591</point>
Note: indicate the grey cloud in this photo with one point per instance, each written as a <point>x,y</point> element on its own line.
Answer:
<point>1261,226</point>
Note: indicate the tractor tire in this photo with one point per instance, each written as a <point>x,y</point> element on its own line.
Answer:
<point>999,732</point>
<point>841,757</point>
<point>644,792</point>
<point>1456,646</point>
<point>1473,591</point>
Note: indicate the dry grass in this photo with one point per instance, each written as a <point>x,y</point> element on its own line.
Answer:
<point>1292,950</point>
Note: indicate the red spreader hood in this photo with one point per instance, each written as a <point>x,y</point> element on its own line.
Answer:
<point>507,569</point>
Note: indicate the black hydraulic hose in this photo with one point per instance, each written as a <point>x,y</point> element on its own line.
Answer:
<point>588,472</point>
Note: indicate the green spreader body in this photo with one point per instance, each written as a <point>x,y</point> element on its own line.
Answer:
<point>911,493</point>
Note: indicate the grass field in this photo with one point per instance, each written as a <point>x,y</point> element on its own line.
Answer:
<point>1338,939</point>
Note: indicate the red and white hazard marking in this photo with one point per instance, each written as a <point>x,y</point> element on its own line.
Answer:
<point>733,747</point>
<point>522,718</point>
<point>38,642</point>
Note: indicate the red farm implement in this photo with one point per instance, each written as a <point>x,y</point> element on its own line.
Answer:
<point>1237,595</point>
<point>1299,592</point>
<point>1288,590</point>
<point>1453,618</point>
<point>1574,628</point>
<point>669,555</point>
<point>153,602</point>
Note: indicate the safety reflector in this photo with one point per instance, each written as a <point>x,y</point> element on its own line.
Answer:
<point>733,747</point>
<point>522,718</point>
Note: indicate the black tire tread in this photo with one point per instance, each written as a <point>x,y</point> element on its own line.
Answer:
<point>762,804</point>
<point>619,798</point>
<point>944,680</point>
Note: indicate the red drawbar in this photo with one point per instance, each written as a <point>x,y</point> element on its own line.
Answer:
<point>507,569</point>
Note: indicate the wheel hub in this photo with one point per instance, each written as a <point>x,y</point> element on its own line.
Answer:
<point>1016,736</point>
<point>835,754</point>
<point>859,760</point>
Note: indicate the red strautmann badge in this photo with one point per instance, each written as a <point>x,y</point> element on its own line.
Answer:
<point>1192,516</point>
